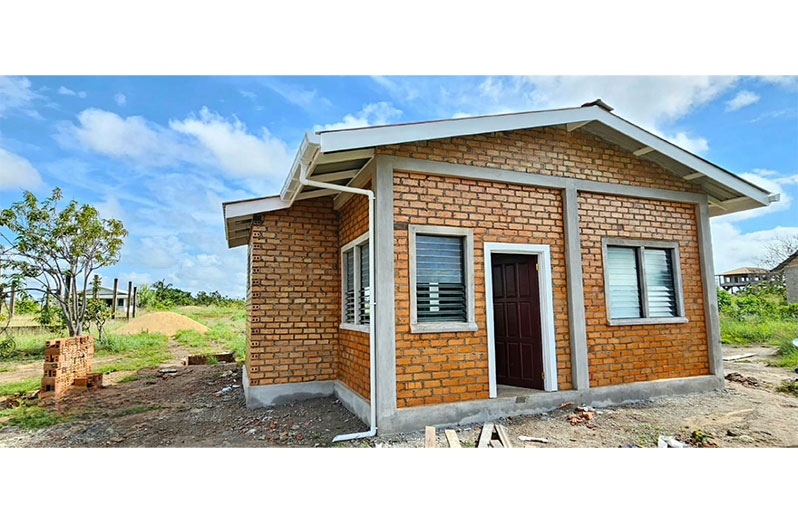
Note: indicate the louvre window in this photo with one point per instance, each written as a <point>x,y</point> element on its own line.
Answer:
<point>440,279</point>
<point>624,287</point>
<point>356,284</point>
<point>365,289</point>
<point>659,283</point>
<point>642,280</point>
<point>349,286</point>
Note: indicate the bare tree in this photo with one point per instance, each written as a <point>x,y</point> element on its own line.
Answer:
<point>777,250</point>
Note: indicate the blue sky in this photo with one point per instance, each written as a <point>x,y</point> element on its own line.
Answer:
<point>163,153</point>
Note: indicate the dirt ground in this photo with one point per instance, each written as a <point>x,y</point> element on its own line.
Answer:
<point>203,406</point>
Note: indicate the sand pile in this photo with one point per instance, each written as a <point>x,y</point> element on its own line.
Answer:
<point>167,323</point>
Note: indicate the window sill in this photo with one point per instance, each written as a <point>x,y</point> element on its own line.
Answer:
<point>647,321</point>
<point>419,328</point>
<point>353,327</point>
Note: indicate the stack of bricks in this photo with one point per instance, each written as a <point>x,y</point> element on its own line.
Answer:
<point>66,360</point>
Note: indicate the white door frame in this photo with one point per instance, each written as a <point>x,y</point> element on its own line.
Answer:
<point>546,309</point>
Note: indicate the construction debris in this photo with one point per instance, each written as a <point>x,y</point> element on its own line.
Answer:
<point>739,357</point>
<point>747,381</point>
<point>167,371</point>
<point>582,415</point>
<point>487,439</point>
<point>533,439</point>
<point>430,439</point>
<point>669,442</point>
<point>451,438</point>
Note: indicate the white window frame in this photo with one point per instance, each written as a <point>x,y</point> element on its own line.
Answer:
<point>640,246</point>
<point>548,343</point>
<point>470,325</point>
<point>354,245</point>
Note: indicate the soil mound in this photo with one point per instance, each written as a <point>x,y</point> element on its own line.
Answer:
<point>167,323</point>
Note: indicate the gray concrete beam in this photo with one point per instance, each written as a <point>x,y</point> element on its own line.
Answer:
<point>576,294</point>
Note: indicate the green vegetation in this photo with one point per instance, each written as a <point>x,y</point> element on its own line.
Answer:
<point>760,314</point>
<point>788,386</point>
<point>223,335</point>
<point>9,389</point>
<point>32,417</point>
<point>161,296</point>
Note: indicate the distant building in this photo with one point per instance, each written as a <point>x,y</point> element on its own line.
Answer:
<point>789,271</point>
<point>738,279</point>
<point>107,296</point>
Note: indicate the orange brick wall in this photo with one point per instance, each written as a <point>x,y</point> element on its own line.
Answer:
<point>623,354</point>
<point>548,151</point>
<point>65,360</point>
<point>445,367</point>
<point>353,356</point>
<point>293,310</point>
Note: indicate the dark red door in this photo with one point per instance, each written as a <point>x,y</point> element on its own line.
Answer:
<point>516,321</point>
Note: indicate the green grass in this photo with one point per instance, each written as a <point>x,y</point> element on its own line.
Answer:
<point>221,337</point>
<point>138,351</point>
<point>9,389</point>
<point>27,346</point>
<point>135,377</point>
<point>32,417</point>
<point>764,331</point>
<point>191,338</point>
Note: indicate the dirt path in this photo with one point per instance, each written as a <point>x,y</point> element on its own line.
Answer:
<point>186,409</point>
<point>202,407</point>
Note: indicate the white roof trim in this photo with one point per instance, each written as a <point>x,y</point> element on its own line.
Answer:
<point>345,139</point>
<point>316,148</point>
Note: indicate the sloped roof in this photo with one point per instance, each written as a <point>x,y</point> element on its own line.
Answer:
<point>337,156</point>
<point>786,262</point>
<point>744,270</point>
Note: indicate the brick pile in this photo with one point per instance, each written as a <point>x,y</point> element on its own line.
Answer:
<point>67,361</point>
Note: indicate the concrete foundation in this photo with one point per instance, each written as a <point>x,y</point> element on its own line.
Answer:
<point>415,418</point>
<point>262,396</point>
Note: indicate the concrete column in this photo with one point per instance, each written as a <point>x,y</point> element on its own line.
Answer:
<point>384,309</point>
<point>710,294</point>
<point>576,293</point>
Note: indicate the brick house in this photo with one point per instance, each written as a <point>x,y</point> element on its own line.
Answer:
<point>459,270</point>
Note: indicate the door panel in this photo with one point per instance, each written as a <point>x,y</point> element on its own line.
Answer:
<point>516,317</point>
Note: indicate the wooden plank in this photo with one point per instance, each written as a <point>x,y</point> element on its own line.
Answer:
<point>503,437</point>
<point>485,435</point>
<point>739,357</point>
<point>496,444</point>
<point>430,440</point>
<point>451,437</point>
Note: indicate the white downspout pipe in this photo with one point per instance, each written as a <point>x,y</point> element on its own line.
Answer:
<point>304,181</point>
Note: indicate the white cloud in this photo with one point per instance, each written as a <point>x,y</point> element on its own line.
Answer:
<point>743,99</point>
<point>653,102</point>
<point>17,173</point>
<point>304,98</point>
<point>379,113</point>
<point>770,181</point>
<point>695,145</point>
<point>110,208</point>
<point>247,94</point>
<point>732,248</point>
<point>236,151</point>
<point>15,92</point>
<point>133,138</point>
<point>69,92</point>
<point>206,139</point>
<point>788,82</point>
<point>120,99</point>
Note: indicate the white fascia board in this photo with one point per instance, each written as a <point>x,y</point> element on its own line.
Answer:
<point>370,137</point>
<point>250,207</point>
<point>684,157</point>
<point>373,136</point>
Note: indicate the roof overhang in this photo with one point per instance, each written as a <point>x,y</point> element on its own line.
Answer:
<point>338,156</point>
